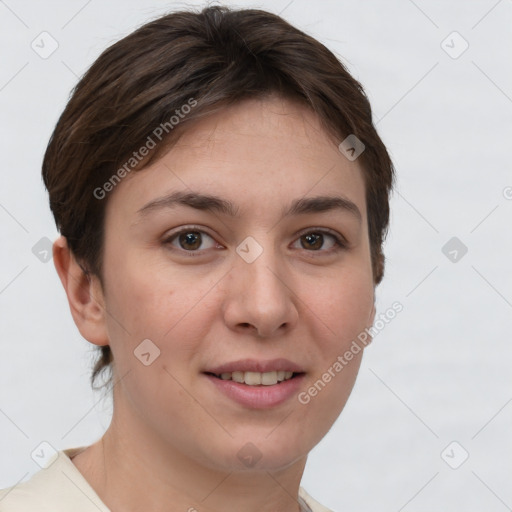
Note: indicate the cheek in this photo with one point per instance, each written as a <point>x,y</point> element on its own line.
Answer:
<point>165,308</point>
<point>343,308</point>
<point>152,301</point>
<point>338,314</point>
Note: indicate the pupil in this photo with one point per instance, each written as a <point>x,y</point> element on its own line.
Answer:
<point>189,239</point>
<point>313,239</point>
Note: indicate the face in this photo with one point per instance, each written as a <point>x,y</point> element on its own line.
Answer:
<point>253,282</point>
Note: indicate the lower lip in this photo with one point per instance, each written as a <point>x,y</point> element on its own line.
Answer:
<point>258,397</point>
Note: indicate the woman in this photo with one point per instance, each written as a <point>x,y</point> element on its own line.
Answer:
<point>222,197</point>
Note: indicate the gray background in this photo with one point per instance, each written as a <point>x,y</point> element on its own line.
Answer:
<point>439,372</point>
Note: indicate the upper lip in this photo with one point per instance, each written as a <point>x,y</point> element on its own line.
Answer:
<point>254,365</point>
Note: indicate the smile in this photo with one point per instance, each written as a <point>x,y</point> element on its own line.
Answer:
<point>256,378</point>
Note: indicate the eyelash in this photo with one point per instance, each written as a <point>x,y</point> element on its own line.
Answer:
<point>339,242</point>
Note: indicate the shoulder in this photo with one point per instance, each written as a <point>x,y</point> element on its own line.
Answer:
<point>59,487</point>
<point>33,494</point>
<point>311,503</point>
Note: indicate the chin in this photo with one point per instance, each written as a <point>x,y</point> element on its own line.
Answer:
<point>267,451</point>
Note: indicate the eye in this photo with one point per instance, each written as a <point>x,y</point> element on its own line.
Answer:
<point>314,241</point>
<point>190,239</point>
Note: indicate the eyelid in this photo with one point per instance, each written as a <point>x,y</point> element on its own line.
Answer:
<point>323,231</point>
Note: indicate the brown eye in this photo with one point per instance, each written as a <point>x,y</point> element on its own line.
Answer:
<point>312,241</point>
<point>190,240</point>
<point>315,241</point>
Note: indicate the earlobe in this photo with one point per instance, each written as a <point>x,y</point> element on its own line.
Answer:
<point>84,294</point>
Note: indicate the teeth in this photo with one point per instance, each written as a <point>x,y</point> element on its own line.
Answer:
<point>238,377</point>
<point>257,378</point>
<point>268,378</point>
<point>253,378</point>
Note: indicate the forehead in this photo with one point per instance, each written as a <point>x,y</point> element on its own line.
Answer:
<point>254,153</point>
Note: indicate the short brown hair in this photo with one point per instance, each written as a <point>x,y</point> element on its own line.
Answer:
<point>216,57</point>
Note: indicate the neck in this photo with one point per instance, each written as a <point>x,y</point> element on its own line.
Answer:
<point>133,471</point>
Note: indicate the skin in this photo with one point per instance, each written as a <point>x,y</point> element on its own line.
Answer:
<point>174,437</point>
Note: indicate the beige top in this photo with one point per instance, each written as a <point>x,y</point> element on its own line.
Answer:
<point>60,487</point>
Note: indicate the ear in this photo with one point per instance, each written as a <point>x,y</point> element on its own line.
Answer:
<point>84,292</point>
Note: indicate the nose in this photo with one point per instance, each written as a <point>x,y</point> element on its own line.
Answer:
<point>260,298</point>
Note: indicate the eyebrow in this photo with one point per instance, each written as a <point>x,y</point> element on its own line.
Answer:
<point>211,203</point>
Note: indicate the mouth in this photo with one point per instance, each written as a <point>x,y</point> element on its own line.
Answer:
<point>271,378</point>
<point>257,384</point>
<point>255,390</point>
